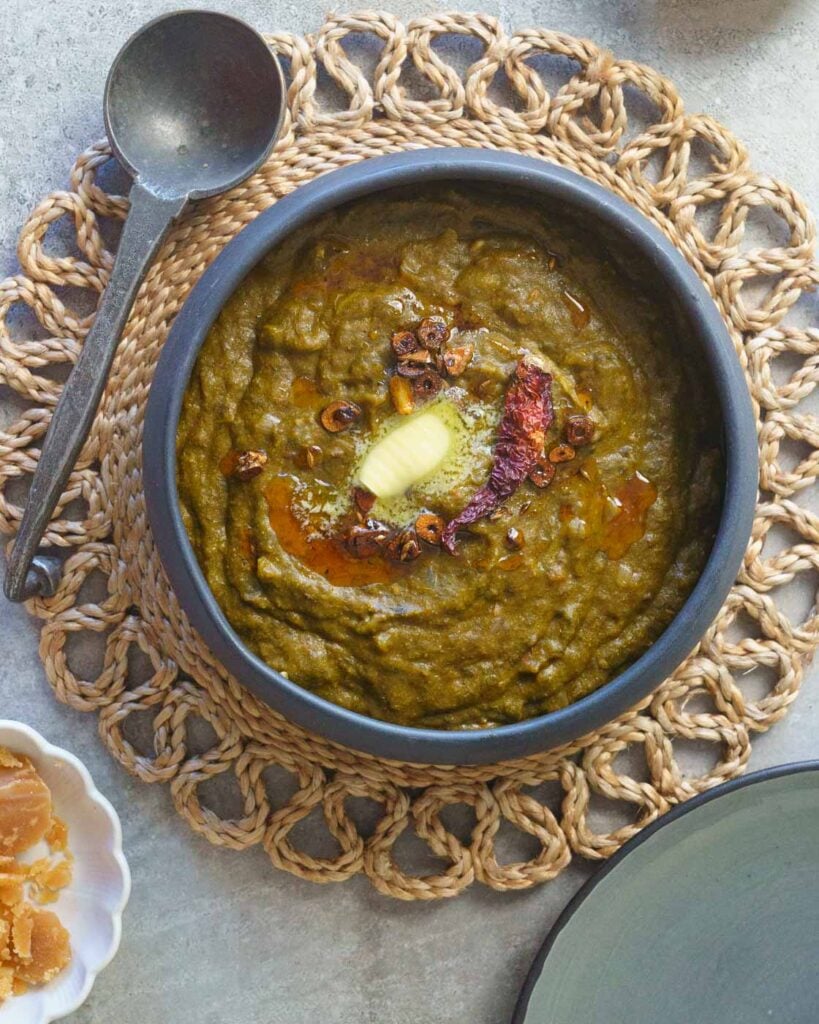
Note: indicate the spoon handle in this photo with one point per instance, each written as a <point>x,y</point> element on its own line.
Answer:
<point>148,222</point>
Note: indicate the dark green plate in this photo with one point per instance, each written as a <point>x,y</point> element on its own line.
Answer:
<point>709,916</point>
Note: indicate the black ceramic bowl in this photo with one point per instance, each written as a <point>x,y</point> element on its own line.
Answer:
<point>659,266</point>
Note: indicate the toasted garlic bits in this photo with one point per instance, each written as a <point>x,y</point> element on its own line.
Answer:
<point>339,416</point>
<point>34,946</point>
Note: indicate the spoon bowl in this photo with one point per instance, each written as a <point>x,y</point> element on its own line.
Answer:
<point>193,103</point>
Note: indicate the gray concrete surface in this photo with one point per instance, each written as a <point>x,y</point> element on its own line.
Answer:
<point>214,936</point>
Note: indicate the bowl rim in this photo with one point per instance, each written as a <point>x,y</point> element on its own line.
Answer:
<point>93,795</point>
<point>373,736</point>
<point>776,771</point>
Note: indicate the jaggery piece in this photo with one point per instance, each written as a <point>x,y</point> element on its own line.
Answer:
<point>49,949</point>
<point>57,837</point>
<point>58,875</point>
<point>5,939</point>
<point>22,927</point>
<point>12,881</point>
<point>6,982</point>
<point>34,946</point>
<point>25,804</point>
<point>48,875</point>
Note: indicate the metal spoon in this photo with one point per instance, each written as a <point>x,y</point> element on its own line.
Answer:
<point>193,106</point>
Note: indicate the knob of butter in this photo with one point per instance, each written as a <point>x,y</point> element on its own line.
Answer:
<point>406,455</point>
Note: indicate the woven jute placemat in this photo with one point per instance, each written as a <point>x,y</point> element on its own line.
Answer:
<point>536,92</point>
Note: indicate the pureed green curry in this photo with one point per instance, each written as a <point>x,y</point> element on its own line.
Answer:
<point>443,464</point>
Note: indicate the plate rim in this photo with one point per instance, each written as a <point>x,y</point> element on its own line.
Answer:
<point>588,887</point>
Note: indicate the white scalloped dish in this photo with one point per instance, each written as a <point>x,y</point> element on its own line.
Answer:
<point>91,906</point>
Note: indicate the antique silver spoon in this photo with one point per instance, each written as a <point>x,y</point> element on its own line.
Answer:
<point>193,106</point>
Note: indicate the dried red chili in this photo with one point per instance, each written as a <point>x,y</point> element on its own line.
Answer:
<point>527,415</point>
